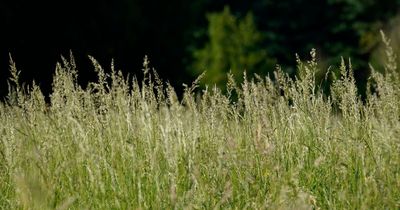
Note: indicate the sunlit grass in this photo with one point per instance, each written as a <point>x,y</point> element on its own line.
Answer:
<point>275,144</point>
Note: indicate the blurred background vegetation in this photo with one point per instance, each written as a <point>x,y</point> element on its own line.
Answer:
<point>184,38</point>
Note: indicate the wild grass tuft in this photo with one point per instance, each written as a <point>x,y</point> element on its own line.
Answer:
<point>266,144</point>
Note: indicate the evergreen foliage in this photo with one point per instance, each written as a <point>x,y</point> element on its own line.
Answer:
<point>233,46</point>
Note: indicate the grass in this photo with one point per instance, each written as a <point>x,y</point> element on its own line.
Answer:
<point>265,144</point>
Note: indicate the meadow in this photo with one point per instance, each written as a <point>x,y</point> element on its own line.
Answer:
<point>264,143</point>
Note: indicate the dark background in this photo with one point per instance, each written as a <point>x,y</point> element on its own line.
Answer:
<point>37,33</point>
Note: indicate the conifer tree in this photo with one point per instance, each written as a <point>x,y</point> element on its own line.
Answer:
<point>234,45</point>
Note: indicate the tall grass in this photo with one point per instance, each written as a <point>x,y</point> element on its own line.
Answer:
<point>127,144</point>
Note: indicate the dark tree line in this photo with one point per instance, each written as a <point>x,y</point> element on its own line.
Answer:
<point>171,33</point>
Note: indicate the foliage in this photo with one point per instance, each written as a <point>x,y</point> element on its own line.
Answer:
<point>336,28</point>
<point>233,46</point>
<point>172,30</point>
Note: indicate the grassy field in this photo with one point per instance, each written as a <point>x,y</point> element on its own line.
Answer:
<point>265,144</point>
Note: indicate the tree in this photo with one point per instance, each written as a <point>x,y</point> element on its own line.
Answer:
<point>233,45</point>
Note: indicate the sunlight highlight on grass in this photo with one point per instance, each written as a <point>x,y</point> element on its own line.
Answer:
<point>127,144</point>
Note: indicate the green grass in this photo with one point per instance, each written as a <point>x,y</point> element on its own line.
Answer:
<point>265,144</point>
